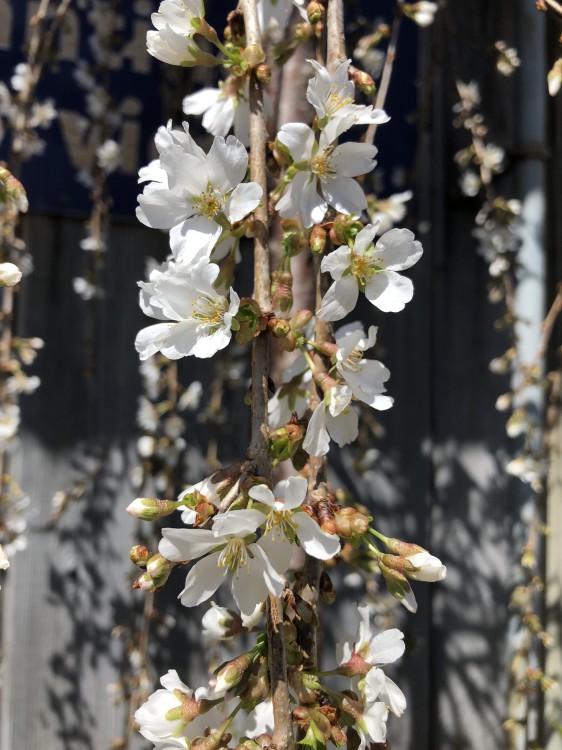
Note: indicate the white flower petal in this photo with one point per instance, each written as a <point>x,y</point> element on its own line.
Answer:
<point>336,262</point>
<point>352,159</point>
<point>296,489</point>
<point>187,544</point>
<point>262,494</point>
<point>398,249</point>
<point>299,139</point>
<point>394,697</point>
<point>345,195</point>
<point>343,428</point>
<point>317,440</point>
<point>237,522</point>
<point>278,550</point>
<point>202,581</point>
<point>194,239</point>
<point>227,162</point>
<point>340,299</point>
<point>387,647</point>
<point>244,199</point>
<point>389,291</point>
<point>315,542</point>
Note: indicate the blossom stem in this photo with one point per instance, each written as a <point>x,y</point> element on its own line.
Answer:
<point>382,537</point>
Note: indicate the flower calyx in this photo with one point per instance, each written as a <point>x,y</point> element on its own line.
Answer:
<point>250,319</point>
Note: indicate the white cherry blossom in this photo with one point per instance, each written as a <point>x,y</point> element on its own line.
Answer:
<point>286,521</point>
<point>172,41</point>
<point>325,175</point>
<point>335,418</point>
<point>388,212</point>
<point>227,547</point>
<point>185,183</point>
<point>198,319</point>
<point>154,716</point>
<point>371,725</point>
<point>365,377</point>
<point>333,98</point>
<point>222,108</point>
<point>372,269</point>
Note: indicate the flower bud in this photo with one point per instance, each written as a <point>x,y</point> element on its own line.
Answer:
<point>220,623</point>
<point>279,328</point>
<point>362,80</point>
<point>149,508</point>
<point>289,342</point>
<point>399,587</point>
<point>301,319</point>
<point>263,73</point>
<point>284,442</point>
<point>318,239</point>
<point>256,689</point>
<point>158,566</point>
<point>282,290</point>
<point>338,736</point>
<point>253,55</point>
<point>344,229</point>
<point>140,555</point>
<point>10,274</point>
<point>301,717</point>
<point>351,524</point>
<point>232,673</point>
<point>250,319</point>
<point>281,153</point>
<point>315,12</point>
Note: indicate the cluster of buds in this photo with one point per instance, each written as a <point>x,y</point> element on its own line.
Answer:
<point>347,522</point>
<point>320,722</point>
<point>156,568</point>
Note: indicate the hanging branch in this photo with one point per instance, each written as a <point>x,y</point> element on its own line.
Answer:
<point>258,449</point>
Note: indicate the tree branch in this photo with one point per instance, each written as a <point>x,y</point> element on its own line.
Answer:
<point>258,454</point>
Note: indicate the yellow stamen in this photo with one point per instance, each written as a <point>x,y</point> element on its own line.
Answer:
<point>321,165</point>
<point>363,267</point>
<point>210,203</point>
<point>336,100</point>
<point>208,311</point>
<point>234,556</point>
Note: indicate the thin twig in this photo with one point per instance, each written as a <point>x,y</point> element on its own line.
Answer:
<point>387,69</point>
<point>554,5</point>
<point>335,34</point>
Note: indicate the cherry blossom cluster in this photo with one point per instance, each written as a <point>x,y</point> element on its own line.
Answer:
<point>240,533</point>
<point>16,355</point>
